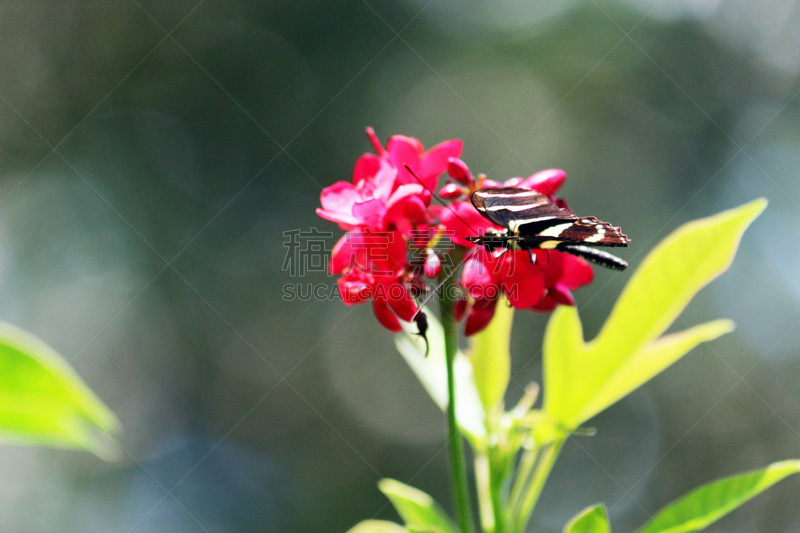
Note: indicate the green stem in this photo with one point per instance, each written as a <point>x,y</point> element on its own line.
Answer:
<point>497,476</point>
<point>490,475</point>
<point>521,481</point>
<point>458,465</point>
<point>483,486</point>
<point>543,468</point>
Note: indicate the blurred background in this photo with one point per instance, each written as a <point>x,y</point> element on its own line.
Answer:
<point>154,157</point>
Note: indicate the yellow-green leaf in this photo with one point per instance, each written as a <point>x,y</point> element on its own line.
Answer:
<point>43,401</point>
<point>707,504</point>
<point>672,273</point>
<point>593,519</point>
<point>417,509</point>
<point>581,379</point>
<point>566,374</point>
<point>651,361</point>
<point>377,526</point>
<point>491,358</point>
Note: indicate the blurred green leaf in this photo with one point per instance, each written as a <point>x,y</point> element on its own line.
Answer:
<point>418,510</point>
<point>377,526</point>
<point>707,504</point>
<point>593,519</point>
<point>43,401</point>
<point>432,373</point>
<point>581,379</point>
<point>491,357</point>
<point>651,361</point>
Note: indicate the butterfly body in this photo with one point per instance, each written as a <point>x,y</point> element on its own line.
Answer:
<point>532,221</point>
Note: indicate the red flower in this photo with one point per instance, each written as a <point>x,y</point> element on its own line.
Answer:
<point>384,195</point>
<point>373,266</point>
<point>381,210</point>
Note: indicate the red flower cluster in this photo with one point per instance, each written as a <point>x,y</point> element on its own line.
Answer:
<point>387,214</point>
<point>380,211</point>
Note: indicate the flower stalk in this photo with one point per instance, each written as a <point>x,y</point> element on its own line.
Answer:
<point>458,464</point>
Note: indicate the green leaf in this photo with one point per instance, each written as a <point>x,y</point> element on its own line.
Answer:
<point>593,519</point>
<point>43,401</point>
<point>432,373</point>
<point>377,526</point>
<point>418,510</point>
<point>581,379</point>
<point>491,357</point>
<point>686,261</point>
<point>650,362</point>
<point>707,504</point>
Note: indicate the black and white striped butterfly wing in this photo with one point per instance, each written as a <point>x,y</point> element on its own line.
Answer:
<point>513,208</point>
<point>579,230</point>
<point>536,219</point>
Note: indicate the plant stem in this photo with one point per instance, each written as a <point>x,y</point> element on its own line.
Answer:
<point>483,486</point>
<point>458,465</point>
<point>521,481</point>
<point>497,477</point>
<point>543,468</point>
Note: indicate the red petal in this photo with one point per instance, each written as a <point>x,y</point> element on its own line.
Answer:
<point>346,222</point>
<point>366,167</point>
<point>414,209</point>
<point>341,255</point>
<point>370,213</point>
<point>434,162</point>
<point>384,182</point>
<point>477,276</point>
<point>385,316</point>
<point>337,203</point>
<point>402,150</point>
<point>460,308</point>
<point>401,302</point>
<point>561,294</point>
<point>479,318</point>
<point>385,253</point>
<point>546,181</point>
<point>576,272</point>
<point>546,305</point>
<point>353,291</point>
<point>522,282</point>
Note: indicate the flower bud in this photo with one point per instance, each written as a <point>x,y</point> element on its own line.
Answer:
<point>451,191</point>
<point>459,171</point>
<point>546,181</point>
<point>433,265</point>
<point>374,141</point>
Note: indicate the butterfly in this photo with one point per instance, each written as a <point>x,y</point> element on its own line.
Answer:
<point>531,221</point>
